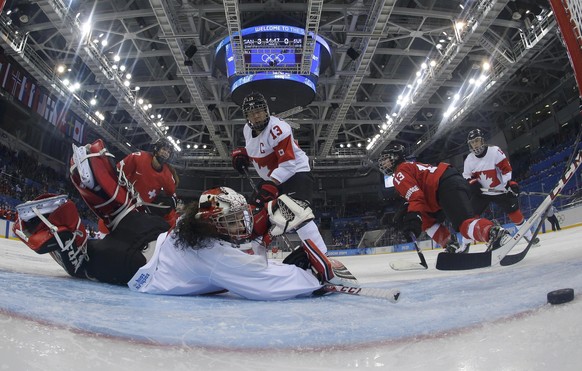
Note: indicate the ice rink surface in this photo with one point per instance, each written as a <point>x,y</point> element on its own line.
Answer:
<point>485,319</point>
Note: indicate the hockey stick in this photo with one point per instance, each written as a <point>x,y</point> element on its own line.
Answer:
<point>408,266</point>
<point>393,295</point>
<point>516,258</point>
<point>253,185</point>
<point>489,258</point>
<point>524,193</point>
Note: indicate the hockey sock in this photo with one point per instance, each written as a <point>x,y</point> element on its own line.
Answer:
<point>476,229</point>
<point>439,233</point>
<point>310,232</point>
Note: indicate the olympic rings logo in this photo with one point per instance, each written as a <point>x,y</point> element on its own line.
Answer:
<point>272,58</point>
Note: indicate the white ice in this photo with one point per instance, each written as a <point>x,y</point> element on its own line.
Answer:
<point>485,319</point>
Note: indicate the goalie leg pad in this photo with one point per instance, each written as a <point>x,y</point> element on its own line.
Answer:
<point>328,270</point>
<point>57,231</point>
<point>103,188</point>
<point>287,214</point>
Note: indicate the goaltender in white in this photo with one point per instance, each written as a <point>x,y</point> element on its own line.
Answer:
<point>202,256</point>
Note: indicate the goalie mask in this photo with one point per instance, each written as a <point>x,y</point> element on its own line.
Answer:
<point>163,151</point>
<point>390,158</point>
<point>476,142</point>
<point>228,211</point>
<point>256,111</point>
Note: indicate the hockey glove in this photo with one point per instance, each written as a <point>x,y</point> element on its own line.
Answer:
<point>399,215</point>
<point>512,187</point>
<point>298,258</point>
<point>164,204</point>
<point>240,160</point>
<point>412,223</point>
<point>266,191</point>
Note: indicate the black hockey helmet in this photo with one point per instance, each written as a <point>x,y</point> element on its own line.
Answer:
<point>163,143</point>
<point>391,156</point>
<point>256,102</point>
<point>476,141</point>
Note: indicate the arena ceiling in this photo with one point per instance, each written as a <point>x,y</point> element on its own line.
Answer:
<point>415,78</point>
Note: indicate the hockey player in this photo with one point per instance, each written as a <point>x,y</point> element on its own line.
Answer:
<point>201,255</point>
<point>488,172</point>
<point>431,190</point>
<point>154,178</point>
<point>282,165</point>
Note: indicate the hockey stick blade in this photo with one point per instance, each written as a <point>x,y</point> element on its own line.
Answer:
<point>418,251</point>
<point>393,295</point>
<point>516,258</point>
<point>407,266</point>
<point>446,261</point>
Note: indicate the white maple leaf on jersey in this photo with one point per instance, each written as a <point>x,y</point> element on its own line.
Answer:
<point>485,180</point>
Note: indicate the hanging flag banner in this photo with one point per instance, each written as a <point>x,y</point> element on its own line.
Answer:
<point>26,90</point>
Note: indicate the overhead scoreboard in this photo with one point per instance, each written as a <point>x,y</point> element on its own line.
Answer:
<point>272,55</point>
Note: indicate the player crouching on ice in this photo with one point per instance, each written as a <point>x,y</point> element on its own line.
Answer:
<point>201,255</point>
<point>431,190</point>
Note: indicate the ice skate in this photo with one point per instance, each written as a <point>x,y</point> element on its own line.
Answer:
<point>498,236</point>
<point>453,247</point>
<point>341,275</point>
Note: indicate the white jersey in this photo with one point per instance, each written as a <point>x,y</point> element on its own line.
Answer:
<point>492,170</point>
<point>274,152</point>
<point>173,270</point>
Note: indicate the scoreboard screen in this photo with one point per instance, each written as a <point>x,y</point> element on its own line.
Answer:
<point>272,55</point>
<point>272,46</point>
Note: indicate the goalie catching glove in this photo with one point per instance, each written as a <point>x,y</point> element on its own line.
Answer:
<point>287,214</point>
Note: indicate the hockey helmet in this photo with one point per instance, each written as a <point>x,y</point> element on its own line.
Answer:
<point>256,111</point>
<point>390,157</point>
<point>228,211</point>
<point>163,143</point>
<point>476,142</point>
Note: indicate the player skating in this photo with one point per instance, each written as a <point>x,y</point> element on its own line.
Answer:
<point>489,174</point>
<point>430,190</point>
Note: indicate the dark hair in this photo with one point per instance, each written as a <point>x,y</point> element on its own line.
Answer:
<point>194,233</point>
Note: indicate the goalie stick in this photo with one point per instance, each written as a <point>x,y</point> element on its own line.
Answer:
<point>409,266</point>
<point>489,258</point>
<point>393,295</point>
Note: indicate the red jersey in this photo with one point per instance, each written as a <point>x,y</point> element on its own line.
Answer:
<point>418,184</point>
<point>148,182</point>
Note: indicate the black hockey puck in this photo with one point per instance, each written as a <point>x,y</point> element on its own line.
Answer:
<point>560,296</point>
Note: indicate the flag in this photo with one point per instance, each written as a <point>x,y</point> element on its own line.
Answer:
<point>78,131</point>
